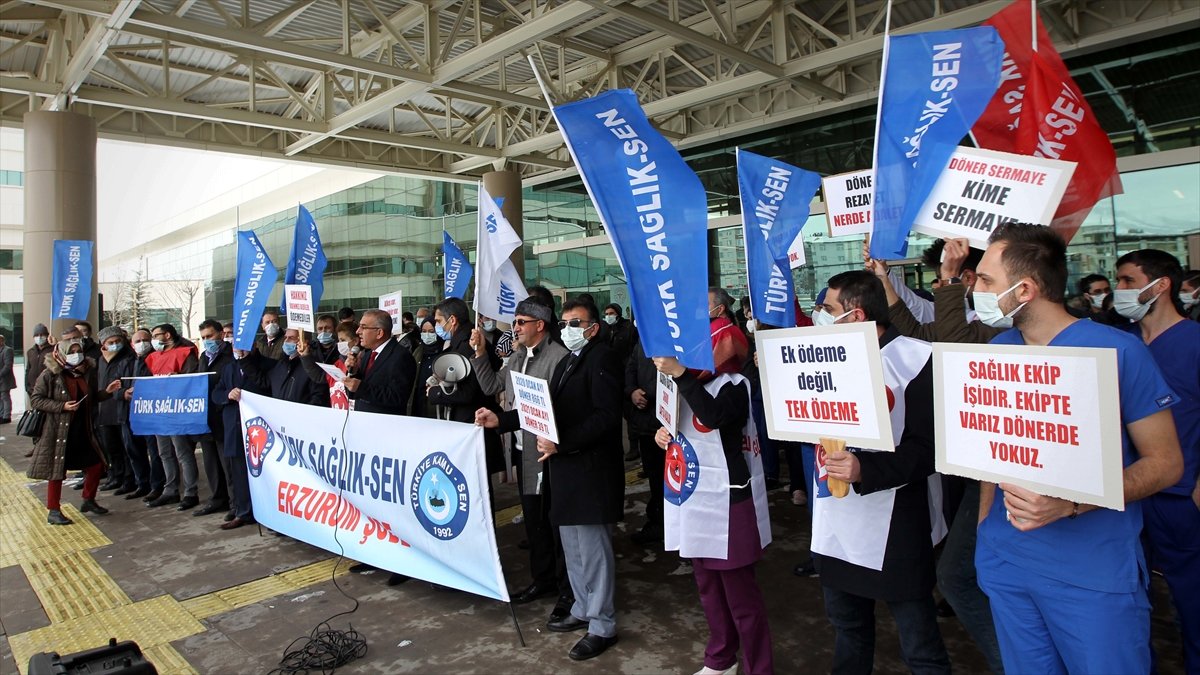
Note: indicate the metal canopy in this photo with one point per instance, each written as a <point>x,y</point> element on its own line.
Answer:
<point>443,88</point>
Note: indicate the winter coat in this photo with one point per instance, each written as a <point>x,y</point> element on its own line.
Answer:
<point>34,364</point>
<point>51,456</point>
<point>115,410</point>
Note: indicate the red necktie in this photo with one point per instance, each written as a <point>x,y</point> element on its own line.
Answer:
<point>370,362</point>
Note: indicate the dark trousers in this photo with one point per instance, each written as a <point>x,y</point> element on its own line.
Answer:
<point>112,441</point>
<point>147,446</point>
<point>736,615</point>
<point>957,580</point>
<point>239,485</point>
<point>654,460</point>
<point>214,471</point>
<point>853,619</point>
<point>547,565</point>
<point>1172,539</point>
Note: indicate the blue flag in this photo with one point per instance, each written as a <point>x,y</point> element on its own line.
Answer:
<point>457,269</point>
<point>306,265</point>
<point>71,292</point>
<point>935,86</point>
<point>775,202</point>
<point>655,212</point>
<point>256,276</point>
<point>172,405</point>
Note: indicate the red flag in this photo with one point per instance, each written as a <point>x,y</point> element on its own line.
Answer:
<point>1040,111</point>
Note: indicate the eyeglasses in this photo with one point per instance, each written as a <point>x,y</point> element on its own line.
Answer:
<point>573,323</point>
<point>522,322</point>
<point>366,327</point>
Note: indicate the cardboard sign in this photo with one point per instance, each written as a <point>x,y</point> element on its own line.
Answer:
<point>796,251</point>
<point>982,189</point>
<point>300,310</point>
<point>666,403</point>
<point>848,202</point>
<point>1045,418</point>
<point>390,303</point>
<point>531,399</point>
<point>825,381</point>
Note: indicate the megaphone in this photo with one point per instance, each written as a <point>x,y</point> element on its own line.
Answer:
<point>451,368</point>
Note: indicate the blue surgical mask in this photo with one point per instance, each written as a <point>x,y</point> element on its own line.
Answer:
<point>428,338</point>
<point>489,325</point>
<point>114,347</point>
<point>211,346</point>
<point>325,337</point>
<point>289,348</point>
<point>441,332</point>
<point>987,308</point>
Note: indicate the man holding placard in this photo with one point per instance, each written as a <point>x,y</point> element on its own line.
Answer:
<point>1067,581</point>
<point>874,540</point>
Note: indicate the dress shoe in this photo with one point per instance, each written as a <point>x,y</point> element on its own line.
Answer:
<point>230,515</point>
<point>806,569</point>
<point>55,517</point>
<point>124,490</point>
<point>562,608</point>
<point>361,568</point>
<point>187,503</point>
<point>590,646</point>
<point>209,509</point>
<point>164,500</point>
<point>153,495</point>
<point>77,486</point>
<point>235,523</point>
<point>29,454</point>
<point>567,624</point>
<point>731,670</point>
<point>110,485</point>
<point>647,536</point>
<point>93,507</point>
<point>397,579</point>
<point>533,592</point>
<point>138,494</point>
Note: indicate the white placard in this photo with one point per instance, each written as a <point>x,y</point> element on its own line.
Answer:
<point>332,371</point>
<point>391,303</point>
<point>531,400</point>
<point>666,402</point>
<point>796,251</point>
<point>300,310</point>
<point>848,202</point>
<point>825,381</point>
<point>982,189</point>
<point>1045,418</point>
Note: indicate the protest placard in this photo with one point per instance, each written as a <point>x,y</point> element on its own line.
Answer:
<point>825,381</point>
<point>848,202</point>
<point>531,398</point>
<point>982,189</point>
<point>796,251</point>
<point>666,403</point>
<point>390,303</point>
<point>299,302</point>
<point>1045,418</point>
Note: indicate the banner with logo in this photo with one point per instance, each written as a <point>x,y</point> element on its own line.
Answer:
<point>306,264</point>
<point>498,288</point>
<point>775,200</point>
<point>456,268</point>
<point>404,494</point>
<point>655,211</point>
<point>170,405</point>
<point>256,276</point>
<point>71,279</point>
<point>935,85</point>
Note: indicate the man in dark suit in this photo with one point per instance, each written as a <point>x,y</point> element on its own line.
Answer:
<point>214,356</point>
<point>245,371</point>
<point>381,375</point>
<point>585,473</point>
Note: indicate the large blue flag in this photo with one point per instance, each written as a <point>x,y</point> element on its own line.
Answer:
<point>775,202</point>
<point>935,86</point>
<point>172,405</point>
<point>71,293</point>
<point>306,265</point>
<point>256,276</point>
<point>655,212</point>
<point>456,268</point>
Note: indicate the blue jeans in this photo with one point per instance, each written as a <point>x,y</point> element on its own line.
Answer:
<point>853,619</point>
<point>956,578</point>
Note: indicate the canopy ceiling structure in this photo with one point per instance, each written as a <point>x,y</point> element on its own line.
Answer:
<point>443,88</point>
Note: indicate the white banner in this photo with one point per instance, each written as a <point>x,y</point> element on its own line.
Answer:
<point>531,398</point>
<point>299,302</point>
<point>982,189</point>
<point>1045,418</point>
<point>848,202</point>
<point>796,252</point>
<point>404,494</point>
<point>391,303</point>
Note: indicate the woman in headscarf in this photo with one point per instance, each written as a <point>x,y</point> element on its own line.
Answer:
<point>430,346</point>
<point>733,604</point>
<point>67,393</point>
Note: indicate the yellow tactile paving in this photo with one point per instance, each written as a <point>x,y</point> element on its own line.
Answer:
<point>25,536</point>
<point>219,602</point>
<point>168,661</point>
<point>73,586</point>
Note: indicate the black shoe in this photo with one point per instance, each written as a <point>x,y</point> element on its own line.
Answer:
<point>647,536</point>
<point>567,624</point>
<point>209,509</point>
<point>187,503</point>
<point>944,610</point>
<point>77,486</point>
<point>562,608</point>
<point>111,485</point>
<point>235,522</point>
<point>397,579</point>
<point>230,515</point>
<point>154,494</point>
<point>361,568</point>
<point>139,493</point>
<point>533,592</point>
<point>5,420</point>
<point>92,506</point>
<point>806,569</point>
<point>124,490</point>
<point>590,646</point>
<point>163,500</point>
<point>55,517</point>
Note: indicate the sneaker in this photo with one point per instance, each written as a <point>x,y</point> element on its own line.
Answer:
<point>732,670</point>
<point>799,498</point>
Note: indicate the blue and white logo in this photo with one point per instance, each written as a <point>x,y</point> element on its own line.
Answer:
<point>681,474</point>
<point>439,496</point>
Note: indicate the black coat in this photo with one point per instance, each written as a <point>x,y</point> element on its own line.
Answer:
<point>224,358</point>
<point>289,382</point>
<point>467,397</point>
<point>386,388</point>
<point>640,373</point>
<point>115,410</point>
<point>586,475</point>
<point>248,374</point>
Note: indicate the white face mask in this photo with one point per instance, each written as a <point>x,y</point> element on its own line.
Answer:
<point>429,338</point>
<point>271,329</point>
<point>158,345</point>
<point>1125,301</point>
<point>1187,299</point>
<point>573,338</point>
<point>1098,300</point>
<point>987,308</point>
<point>74,359</point>
<point>40,340</point>
<point>141,347</point>
<point>750,326</point>
<point>824,318</point>
<point>115,347</point>
<point>343,348</point>
<point>324,337</point>
<point>489,326</point>
<point>610,319</point>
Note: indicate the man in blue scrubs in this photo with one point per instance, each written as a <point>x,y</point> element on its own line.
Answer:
<point>1147,290</point>
<point>1067,581</point>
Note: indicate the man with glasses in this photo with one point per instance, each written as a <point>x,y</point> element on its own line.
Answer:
<point>381,375</point>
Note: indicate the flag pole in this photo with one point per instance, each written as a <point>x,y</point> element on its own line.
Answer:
<point>883,66</point>
<point>1033,23</point>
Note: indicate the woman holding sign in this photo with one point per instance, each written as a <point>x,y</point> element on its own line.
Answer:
<point>709,479</point>
<point>67,394</point>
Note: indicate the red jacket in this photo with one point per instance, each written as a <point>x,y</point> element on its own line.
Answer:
<point>172,361</point>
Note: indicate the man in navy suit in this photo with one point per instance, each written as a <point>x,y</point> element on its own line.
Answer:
<point>381,375</point>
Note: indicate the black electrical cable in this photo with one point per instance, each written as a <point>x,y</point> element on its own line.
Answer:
<point>326,649</point>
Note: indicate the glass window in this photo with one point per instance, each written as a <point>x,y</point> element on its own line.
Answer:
<point>11,259</point>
